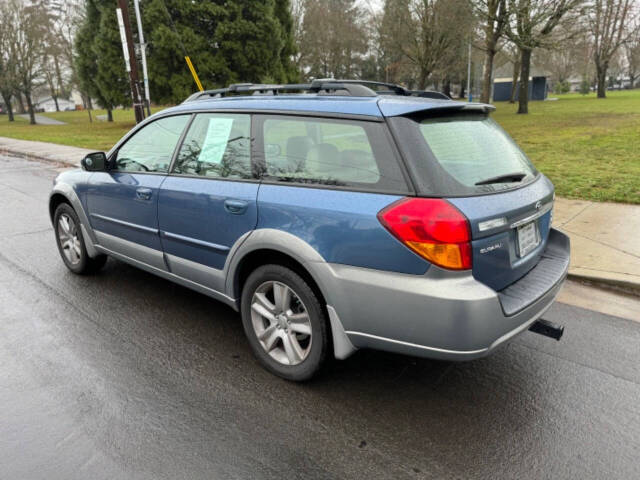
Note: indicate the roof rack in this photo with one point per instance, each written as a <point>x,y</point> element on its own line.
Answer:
<point>354,88</point>
<point>429,94</point>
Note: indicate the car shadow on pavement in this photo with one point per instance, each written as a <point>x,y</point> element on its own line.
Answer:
<point>492,389</point>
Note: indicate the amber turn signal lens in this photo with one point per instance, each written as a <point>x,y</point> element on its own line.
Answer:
<point>447,255</point>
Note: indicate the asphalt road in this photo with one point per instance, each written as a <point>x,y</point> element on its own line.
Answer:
<point>126,376</point>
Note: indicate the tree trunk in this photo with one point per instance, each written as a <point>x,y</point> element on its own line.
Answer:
<point>21,108</point>
<point>523,94</point>
<point>86,100</point>
<point>32,114</point>
<point>109,115</point>
<point>61,88</point>
<point>487,73</point>
<point>601,72</point>
<point>422,79</point>
<point>7,102</point>
<point>55,100</point>
<point>446,88</point>
<point>463,87</point>
<point>514,80</point>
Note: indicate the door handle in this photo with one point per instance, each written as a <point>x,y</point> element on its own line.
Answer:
<point>143,193</point>
<point>236,207</point>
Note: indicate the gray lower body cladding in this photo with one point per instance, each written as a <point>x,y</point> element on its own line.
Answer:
<point>444,315</point>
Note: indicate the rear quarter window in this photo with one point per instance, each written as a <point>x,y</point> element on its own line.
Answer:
<point>340,153</point>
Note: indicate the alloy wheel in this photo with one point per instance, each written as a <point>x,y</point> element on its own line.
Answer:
<point>281,323</point>
<point>68,236</point>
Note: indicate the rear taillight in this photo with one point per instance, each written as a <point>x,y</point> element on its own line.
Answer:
<point>431,227</point>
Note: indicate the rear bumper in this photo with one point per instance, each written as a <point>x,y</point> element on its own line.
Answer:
<point>444,315</point>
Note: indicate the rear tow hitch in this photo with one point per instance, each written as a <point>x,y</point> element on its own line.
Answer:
<point>548,329</point>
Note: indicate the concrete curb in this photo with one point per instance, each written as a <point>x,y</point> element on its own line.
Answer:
<point>629,288</point>
<point>41,158</point>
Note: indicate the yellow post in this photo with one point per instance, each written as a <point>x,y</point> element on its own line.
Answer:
<point>193,72</point>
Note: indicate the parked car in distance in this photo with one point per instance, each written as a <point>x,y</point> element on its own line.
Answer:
<point>334,216</point>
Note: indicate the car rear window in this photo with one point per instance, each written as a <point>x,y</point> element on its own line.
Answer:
<point>464,154</point>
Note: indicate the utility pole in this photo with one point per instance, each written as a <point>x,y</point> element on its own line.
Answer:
<point>130,58</point>
<point>469,76</point>
<point>143,52</point>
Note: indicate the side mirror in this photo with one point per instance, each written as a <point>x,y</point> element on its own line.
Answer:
<point>95,162</point>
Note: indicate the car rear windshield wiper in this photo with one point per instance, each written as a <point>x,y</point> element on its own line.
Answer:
<point>506,178</point>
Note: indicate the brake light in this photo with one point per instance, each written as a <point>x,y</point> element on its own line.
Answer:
<point>431,227</point>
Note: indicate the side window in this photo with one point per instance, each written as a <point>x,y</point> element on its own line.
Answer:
<point>217,145</point>
<point>330,152</point>
<point>151,148</point>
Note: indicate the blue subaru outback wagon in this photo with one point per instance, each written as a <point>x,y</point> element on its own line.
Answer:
<point>334,216</point>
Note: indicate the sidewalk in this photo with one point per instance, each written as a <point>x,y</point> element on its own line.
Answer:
<point>605,241</point>
<point>605,237</point>
<point>43,151</point>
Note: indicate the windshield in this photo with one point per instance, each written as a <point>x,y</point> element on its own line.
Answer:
<point>468,153</point>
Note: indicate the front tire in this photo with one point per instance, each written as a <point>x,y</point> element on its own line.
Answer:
<point>284,322</point>
<point>71,243</point>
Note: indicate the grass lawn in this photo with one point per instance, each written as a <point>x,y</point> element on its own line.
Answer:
<point>78,132</point>
<point>589,148</point>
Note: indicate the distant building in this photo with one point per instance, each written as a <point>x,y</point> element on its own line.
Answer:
<point>48,104</point>
<point>502,89</point>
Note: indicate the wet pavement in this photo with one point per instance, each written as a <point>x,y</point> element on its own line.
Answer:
<point>125,375</point>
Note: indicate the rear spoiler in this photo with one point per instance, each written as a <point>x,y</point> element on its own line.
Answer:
<point>395,107</point>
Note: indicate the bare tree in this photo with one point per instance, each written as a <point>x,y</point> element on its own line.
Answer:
<point>27,47</point>
<point>49,70</point>
<point>425,31</point>
<point>568,58</point>
<point>632,56</point>
<point>398,68</point>
<point>510,55</point>
<point>533,23</point>
<point>7,64</point>
<point>67,17</point>
<point>608,20</point>
<point>494,16</point>
<point>52,57</point>
<point>333,38</point>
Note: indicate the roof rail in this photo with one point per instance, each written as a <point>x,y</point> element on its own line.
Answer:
<point>354,88</point>
<point>429,94</point>
<point>391,87</point>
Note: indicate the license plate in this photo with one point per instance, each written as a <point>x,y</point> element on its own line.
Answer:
<point>528,238</point>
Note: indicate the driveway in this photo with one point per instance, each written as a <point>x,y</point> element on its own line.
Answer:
<point>123,375</point>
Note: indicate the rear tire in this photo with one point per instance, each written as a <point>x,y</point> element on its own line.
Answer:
<point>70,241</point>
<point>284,322</point>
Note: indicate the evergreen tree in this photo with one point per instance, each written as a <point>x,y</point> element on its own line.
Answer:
<point>250,40</point>
<point>111,76</point>
<point>282,12</point>
<point>99,60</point>
<point>182,28</point>
<point>228,41</point>
<point>84,60</point>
